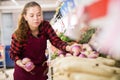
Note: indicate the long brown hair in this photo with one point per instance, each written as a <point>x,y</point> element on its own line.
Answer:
<point>23,27</point>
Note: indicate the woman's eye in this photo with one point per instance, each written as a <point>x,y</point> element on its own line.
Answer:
<point>31,15</point>
<point>38,15</point>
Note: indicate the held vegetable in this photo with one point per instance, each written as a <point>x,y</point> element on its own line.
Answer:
<point>76,50</point>
<point>25,60</point>
<point>29,66</point>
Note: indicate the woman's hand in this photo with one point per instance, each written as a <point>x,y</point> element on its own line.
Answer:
<point>26,64</point>
<point>75,49</point>
<point>29,66</point>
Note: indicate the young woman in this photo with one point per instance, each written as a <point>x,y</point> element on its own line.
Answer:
<point>30,41</point>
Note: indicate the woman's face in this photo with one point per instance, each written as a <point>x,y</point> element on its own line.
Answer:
<point>33,17</point>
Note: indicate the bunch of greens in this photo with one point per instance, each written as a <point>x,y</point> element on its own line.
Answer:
<point>54,55</point>
<point>64,38</point>
<point>87,35</point>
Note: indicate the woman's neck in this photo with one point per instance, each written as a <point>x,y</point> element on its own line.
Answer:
<point>35,32</point>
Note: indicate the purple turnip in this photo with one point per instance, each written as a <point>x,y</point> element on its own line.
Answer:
<point>93,54</point>
<point>76,50</point>
<point>82,56</point>
<point>29,66</point>
<point>25,60</point>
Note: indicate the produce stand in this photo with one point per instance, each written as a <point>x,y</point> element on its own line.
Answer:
<point>90,66</point>
<point>76,68</point>
<point>78,22</point>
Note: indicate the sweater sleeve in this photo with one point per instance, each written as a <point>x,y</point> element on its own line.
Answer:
<point>54,39</point>
<point>15,49</point>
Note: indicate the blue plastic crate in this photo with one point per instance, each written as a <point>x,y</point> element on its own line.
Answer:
<point>8,60</point>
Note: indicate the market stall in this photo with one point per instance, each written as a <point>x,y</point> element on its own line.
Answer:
<point>89,25</point>
<point>76,68</point>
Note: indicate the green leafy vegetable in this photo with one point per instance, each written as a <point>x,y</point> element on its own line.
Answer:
<point>87,36</point>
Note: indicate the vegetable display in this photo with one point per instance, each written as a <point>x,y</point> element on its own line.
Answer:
<point>75,68</point>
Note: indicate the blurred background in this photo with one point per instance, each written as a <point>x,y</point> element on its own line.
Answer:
<point>9,13</point>
<point>71,17</point>
<point>10,10</point>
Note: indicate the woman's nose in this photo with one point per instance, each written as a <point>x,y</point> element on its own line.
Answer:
<point>35,17</point>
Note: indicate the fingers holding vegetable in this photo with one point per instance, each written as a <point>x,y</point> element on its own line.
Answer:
<point>25,60</point>
<point>83,51</point>
<point>80,50</point>
<point>28,64</point>
<point>76,49</point>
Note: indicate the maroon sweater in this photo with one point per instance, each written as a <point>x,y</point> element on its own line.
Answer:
<point>34,48</point>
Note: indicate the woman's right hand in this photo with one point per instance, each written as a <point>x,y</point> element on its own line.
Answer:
<point>27,66</point>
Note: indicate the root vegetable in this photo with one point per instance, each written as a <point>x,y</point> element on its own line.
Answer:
<point>61,52</point>
<point>82,56</point>
<point>86,47</point>
<point>76,68</point>
<point>60,77</point>
<point>86,68</point>
<point>68,54</point>
<point>84,76</point>
<point>106,61</point>
<point>116,77</point>
<point>76,50</point>
<point>85,53</point>
<point>93,54</point>
<point>25,60</point>
<point>29,66</point>
<point>76,64</point>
